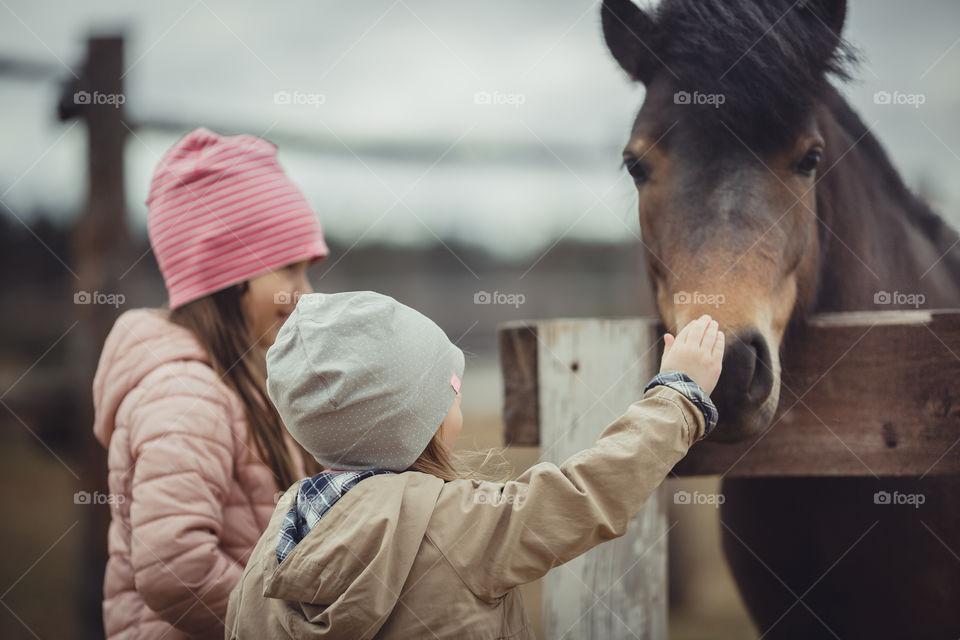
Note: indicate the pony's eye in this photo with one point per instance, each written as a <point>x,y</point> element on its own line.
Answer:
<point>637,169</point>
<point>655,268</point>
<point>809,162</point>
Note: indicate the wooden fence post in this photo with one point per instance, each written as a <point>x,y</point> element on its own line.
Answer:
<point>589,373</point>
<point>102,251</point>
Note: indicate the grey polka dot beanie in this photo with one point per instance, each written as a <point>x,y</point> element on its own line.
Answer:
<point>362,381</point>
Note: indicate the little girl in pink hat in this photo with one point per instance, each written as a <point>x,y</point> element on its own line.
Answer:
<point>195,448</point>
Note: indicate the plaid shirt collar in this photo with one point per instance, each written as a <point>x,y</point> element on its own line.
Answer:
<point>314,498</point>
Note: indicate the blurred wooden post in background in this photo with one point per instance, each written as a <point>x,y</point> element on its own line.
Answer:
<point>879,396</point>
<point>102,252</point>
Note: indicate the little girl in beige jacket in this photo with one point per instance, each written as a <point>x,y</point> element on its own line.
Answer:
<point>389,541</point>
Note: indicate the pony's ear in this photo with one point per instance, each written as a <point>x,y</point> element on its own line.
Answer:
<point>824,23</point>
<point>829,13</point>
<point>629,33</point>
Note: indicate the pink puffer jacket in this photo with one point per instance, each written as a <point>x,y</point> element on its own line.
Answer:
<point>195,496</point>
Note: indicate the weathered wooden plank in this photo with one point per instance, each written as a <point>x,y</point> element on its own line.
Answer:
<point>590,371</point>
<point>878,395</point>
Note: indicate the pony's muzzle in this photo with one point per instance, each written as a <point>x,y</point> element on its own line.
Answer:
<point>743,390</point>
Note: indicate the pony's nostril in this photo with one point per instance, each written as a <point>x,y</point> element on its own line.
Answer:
<point>761,383</point>
<point>746,380</point>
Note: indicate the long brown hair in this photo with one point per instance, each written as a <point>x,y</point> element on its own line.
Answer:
<point>440,461</point>
<point>218,322</point>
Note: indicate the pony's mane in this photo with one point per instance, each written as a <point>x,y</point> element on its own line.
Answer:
<point>932,225</point>
<point>769,60</point>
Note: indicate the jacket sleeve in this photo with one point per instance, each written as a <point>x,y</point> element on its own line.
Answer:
<point>182,444</point>
<point>500,535</point>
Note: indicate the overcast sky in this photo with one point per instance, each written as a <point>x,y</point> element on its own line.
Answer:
<point>396,73</point>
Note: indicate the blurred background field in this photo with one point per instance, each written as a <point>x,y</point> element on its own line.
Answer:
<point>450,149</point>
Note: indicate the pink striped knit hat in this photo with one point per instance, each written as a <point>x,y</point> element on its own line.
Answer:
<point>221,211</point>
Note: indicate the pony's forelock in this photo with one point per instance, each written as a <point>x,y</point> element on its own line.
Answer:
<point>769,61</point>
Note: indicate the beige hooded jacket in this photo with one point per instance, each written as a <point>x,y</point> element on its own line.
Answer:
<point>410,556</point>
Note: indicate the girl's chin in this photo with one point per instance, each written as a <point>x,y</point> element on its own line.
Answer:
<point>268,338</point>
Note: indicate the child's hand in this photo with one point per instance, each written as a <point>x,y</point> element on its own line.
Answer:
<point>696,351</point>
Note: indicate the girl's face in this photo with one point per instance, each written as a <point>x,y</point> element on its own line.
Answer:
<point>271,297</point>
<point>450,428</point>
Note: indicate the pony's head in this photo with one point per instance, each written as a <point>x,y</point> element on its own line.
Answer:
<point>725,154</point>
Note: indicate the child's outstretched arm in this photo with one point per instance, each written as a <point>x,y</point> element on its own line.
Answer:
<point>500,535</point>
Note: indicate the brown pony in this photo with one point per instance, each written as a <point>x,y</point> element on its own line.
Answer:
<point>764,198</point>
